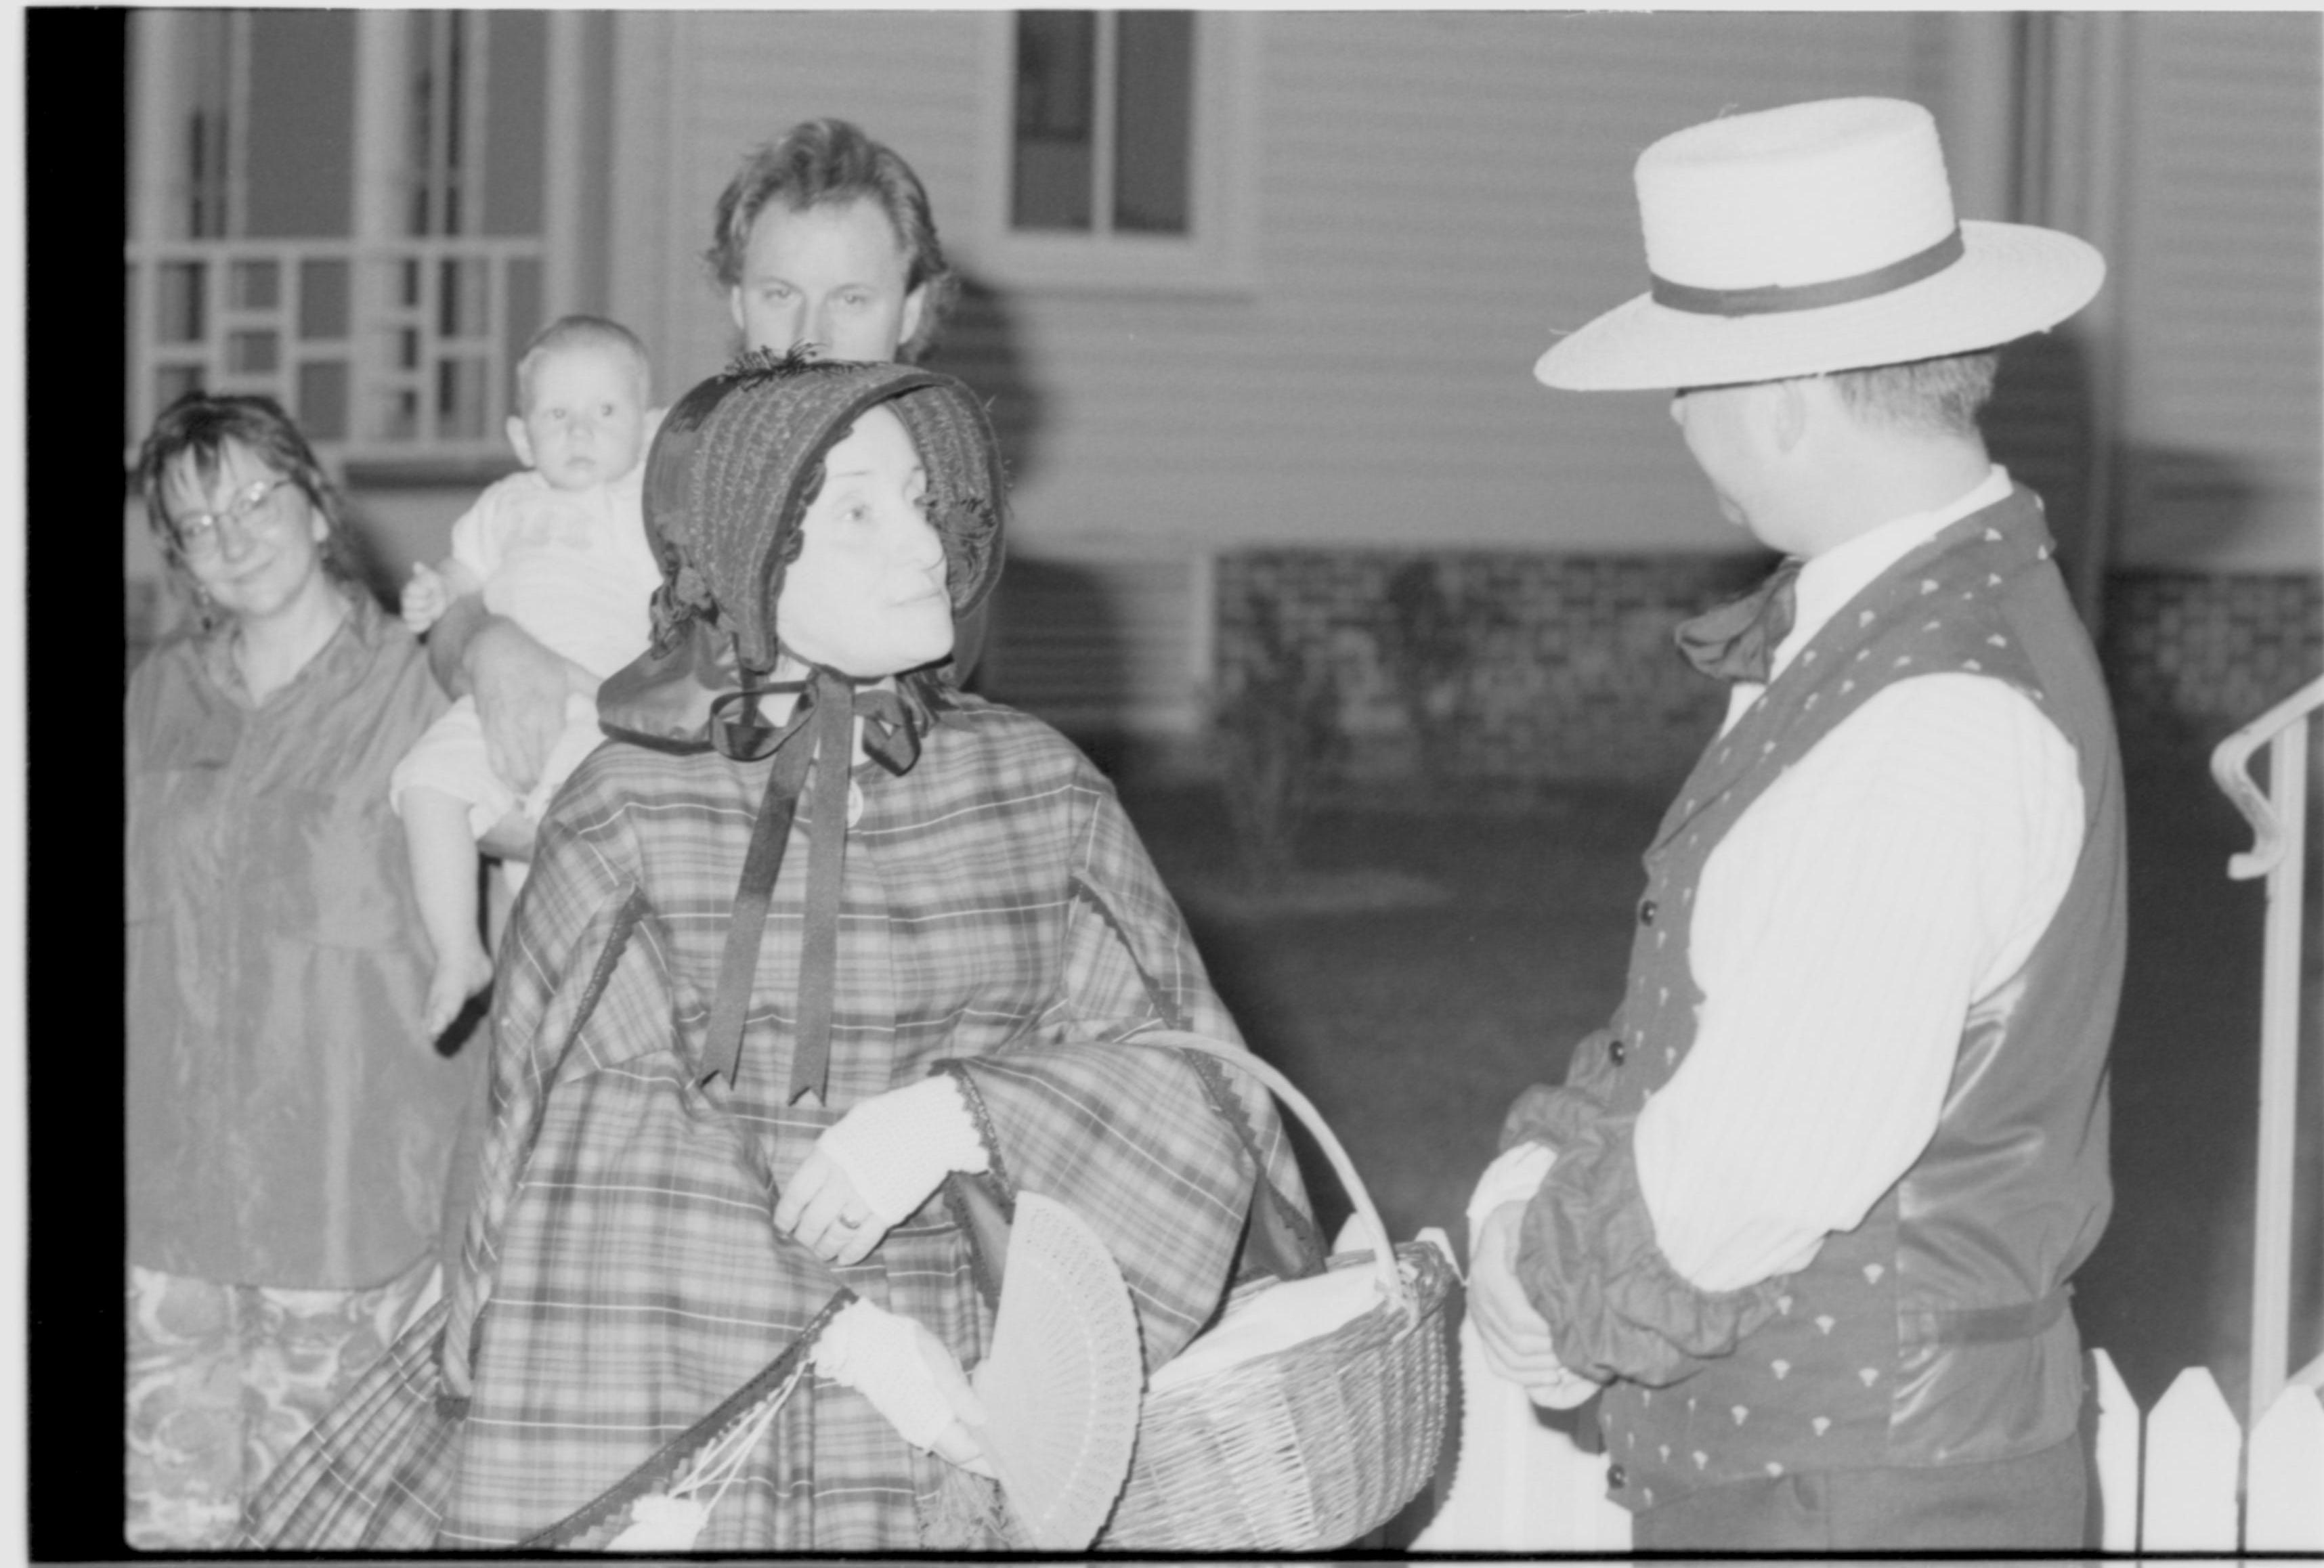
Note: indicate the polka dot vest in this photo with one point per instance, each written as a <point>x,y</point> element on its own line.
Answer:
<point>1887,1349</point>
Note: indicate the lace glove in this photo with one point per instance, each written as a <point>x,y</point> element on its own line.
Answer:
<point>894,1148</point>
<point>875,1166</point>
<point>909,1375</point>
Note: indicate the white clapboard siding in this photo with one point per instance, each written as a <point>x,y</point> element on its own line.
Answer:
<point>1435,195</point>
<point>1100,642</point>
<point>2219,269</point>
<point>1439,193</point>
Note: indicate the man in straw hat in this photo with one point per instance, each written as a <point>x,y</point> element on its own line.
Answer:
<point>1819,1186</point>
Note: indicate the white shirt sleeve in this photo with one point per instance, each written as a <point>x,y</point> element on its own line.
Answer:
<point>1900,871</point>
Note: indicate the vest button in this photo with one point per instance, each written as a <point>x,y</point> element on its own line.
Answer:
<point>1619,1051</point>
<point>1646,908</point>
<point>1616,1477</point>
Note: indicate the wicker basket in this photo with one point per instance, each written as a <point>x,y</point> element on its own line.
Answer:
<point>1311,1447</point>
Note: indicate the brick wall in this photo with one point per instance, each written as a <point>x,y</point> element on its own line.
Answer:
<point>1510,668</point>
<point>2192,657</point>
<point>1496,667</point>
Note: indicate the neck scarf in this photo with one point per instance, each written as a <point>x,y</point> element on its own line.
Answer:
<point>1738,641</point>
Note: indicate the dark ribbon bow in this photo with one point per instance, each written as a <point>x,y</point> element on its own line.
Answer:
<point>1738,641</point>
<point>811,750</point>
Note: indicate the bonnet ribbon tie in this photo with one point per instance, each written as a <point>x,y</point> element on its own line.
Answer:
<point>1738,641</point>
<point>812,752</point>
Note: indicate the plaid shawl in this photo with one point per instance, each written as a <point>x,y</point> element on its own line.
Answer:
<point>620,1275</point>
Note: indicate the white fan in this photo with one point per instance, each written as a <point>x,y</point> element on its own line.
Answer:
<point>1062,1385</point>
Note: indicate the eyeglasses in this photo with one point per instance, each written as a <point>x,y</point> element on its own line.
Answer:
<point>198,536</point>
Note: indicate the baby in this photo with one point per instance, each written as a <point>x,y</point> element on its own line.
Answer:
<point>560,549</point>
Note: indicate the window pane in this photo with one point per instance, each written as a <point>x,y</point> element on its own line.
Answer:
<point>459,399</point>
<point>399,416</point>
<point>322,300</point>
<point>456,153</point>
<point>298,160</point>
<point>323,399</point>
<point>516,96</point>
<point>172,382</point>
<point>250,352</point>
<point>523,308</point>
<point>178,314</point>
<point>254,285</point>
<point>461,305</point>
<point>441,55</point>
<point>1153,121</point>
<point>205,44</point>
<point>1056,120</point>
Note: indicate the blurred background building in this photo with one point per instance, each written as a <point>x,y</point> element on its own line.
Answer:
<point>1256,298</point>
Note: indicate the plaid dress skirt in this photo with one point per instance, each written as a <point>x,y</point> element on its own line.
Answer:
<point>620,1275</point>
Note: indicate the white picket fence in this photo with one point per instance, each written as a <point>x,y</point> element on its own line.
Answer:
<point>2183,1478</point>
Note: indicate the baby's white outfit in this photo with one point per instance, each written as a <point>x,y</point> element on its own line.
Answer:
<point>571,567</point>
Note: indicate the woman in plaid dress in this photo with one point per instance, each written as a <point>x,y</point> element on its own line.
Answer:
<point>681,1174</point>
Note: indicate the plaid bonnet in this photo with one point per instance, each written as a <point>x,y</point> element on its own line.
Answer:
<point>738,460</point>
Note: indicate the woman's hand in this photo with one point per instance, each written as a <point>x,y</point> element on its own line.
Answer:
<point>909,1378</point>
<point>875,1166</point>
<point>822,1209</point>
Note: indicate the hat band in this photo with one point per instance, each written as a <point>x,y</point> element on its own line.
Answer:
<point>1774,298</point>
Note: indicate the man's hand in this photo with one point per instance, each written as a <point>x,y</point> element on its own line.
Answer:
<point>1515,1338</point>
<point>520,688</point>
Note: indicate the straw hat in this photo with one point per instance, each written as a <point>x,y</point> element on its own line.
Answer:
<point>1063,1383</point>
<point>1810,238</point>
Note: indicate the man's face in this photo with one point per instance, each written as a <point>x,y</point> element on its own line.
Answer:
<point>1714,421</point>
<point>867,594</point>
<point>586,421</point>
<point>831,276</point>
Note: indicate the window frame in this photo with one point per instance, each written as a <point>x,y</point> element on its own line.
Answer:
<point>1219,253</point>
<point>381,313</point>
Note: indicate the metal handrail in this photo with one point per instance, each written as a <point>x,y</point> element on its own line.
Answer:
<point>2230,765</point>
<point>2279,821</point>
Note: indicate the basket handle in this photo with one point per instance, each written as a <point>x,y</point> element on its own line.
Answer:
<point>1390,1278</point>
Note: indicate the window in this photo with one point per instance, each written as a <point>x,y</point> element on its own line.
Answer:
<point>343,211</point>
<point>1120,153</point>
<point>1104,114</point>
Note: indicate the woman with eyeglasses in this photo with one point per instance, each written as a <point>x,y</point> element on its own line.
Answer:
<point>289,1129</point>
